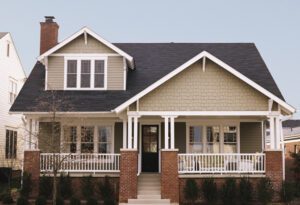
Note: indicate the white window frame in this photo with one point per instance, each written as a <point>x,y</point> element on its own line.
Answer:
<point>78,79</point>
<point>12,89</point>
<point>204,127</point>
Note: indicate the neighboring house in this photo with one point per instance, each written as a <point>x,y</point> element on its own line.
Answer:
<point>176,110</point>
<point>291,132</point>
<point>12,79</point>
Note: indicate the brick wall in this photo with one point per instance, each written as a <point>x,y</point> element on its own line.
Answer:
<point>128,175</point>
<point>32,166</point>
<point>169,175</point>
<point>274,170</point>
<point>289,161</point>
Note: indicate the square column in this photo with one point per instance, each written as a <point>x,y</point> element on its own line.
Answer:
<point>169,132</point>
<point>275,133</point>
<point>132,132</point>
<point>32,167</point>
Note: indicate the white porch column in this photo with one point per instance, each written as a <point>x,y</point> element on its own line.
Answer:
<point>129,137</point>
<point>272,133</point>
<point>278,133</point>
<point>135,132</point>
<point>28,134</point>
<point>166,132</point>
<point>172,126</point>
<point>124,133</point>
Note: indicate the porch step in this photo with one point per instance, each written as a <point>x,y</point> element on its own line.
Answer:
<point>148,196</point>
<point>149,201</point>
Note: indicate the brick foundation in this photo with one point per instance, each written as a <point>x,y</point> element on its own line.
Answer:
<point>128,175</point>
<point>32,166</point>
<point>169,175</point>
<point>274,170</point>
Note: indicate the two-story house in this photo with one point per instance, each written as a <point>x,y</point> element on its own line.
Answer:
<point>12,79</point>
<point>175,110</point>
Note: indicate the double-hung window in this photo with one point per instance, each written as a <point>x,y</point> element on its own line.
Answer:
<point>213,139</point>
<point>70,134</point>
<point>230,139</point>
<point>87,139</point>
<point>104,139</point>
<point>11,144</point>
<point>13,89</point>
<point>196,139</point>
<point>85,73</point>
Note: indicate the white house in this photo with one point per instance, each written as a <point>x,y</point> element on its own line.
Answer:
<point>12,79</point>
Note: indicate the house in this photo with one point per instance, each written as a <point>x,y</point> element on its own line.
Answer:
<point>291,132</point>
<point>174,110</point>
<point>12,78</point>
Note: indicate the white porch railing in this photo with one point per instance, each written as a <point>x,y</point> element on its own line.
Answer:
<point>222,163</point>
<point>71,162</point>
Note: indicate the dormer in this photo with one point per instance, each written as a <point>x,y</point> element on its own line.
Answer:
<point>83,61</point>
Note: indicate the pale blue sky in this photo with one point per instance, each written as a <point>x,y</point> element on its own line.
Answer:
<point>273,25</point>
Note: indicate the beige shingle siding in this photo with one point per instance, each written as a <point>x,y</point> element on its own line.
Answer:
<point>251,137</point>
<point>115,64</point>
<point>115,73</point>
<point>212,90</point>
<point>78,46</point>
<point>55,73</point>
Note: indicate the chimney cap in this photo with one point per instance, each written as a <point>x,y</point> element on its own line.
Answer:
<point>49,19</point>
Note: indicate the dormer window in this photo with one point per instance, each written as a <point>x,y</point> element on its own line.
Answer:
<point>85,73</point>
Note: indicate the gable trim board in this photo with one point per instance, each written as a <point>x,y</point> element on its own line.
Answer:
<point>85,31</point>
<point>201,55</point>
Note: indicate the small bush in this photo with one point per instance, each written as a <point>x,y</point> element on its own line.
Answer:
<point>45,187</point>
<point>191,191</point>
<point>75,201</point>
<point>26,186</point>
<point>265,191</point>
<point>210,191</point>
<point>245,192</point>
<point>287,191</point>
<point>7,199</point>
<point>22,201</point>
<point>65,186</point>
<point>297,189</point>
<point>60,201</point>
<point>41,200</point>
<point>87,187</point>
<point>106,191</point>
<point>91,201</point>
<point>228,192</point>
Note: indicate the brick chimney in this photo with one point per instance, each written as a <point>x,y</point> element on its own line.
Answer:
<point>49,34</point>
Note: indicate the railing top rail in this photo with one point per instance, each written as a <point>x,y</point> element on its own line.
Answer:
<point>96,154</point>
<point>222,154</point>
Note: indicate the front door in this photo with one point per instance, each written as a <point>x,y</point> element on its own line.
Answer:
<point>150,148</point>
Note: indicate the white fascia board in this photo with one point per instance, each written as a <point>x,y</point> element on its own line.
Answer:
<point>215,60</point>
<point>93,34</point>
<point>198,113</point>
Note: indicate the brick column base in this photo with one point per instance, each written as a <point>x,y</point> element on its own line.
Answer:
<point>128,175</point>
<point>169,175</point>
<point>32,166</point>
<point>274,170</point>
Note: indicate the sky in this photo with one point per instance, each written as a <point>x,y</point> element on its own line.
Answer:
<point>273,25</point>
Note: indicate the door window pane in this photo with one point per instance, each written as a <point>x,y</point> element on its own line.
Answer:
<point>230,139</point>
<point>72,73</point>
<point>104,140</point>
<point>196,139</point>
<point>213,139</point>
<point>150,135</point>
<point>85,74</point>
<point>87,139</point>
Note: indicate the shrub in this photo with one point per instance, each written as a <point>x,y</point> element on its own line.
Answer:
<point>87,187</point>
<point>210,191</point>
<point>265,190</point>
<point>22,201</point>
<point>45,187</point>
<point>228,192</point>
<point>65,186</point>
<point>287,191</point>
<point>75,201</point>
<point>7,199</point>
<point>60,201</point>
<point>91,201</point>
<point>41,200</point>
<point>191,191</point>
<point>245,191</point>
<point>297,189</point>
<point>106,191</point>
<point>26,186</point>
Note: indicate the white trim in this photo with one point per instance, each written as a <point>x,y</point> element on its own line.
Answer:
<point>124,73</point>
<point>93,34</point>
<point>78,73</point>
<point>192,61</point>
<point>199,113</point>
<point>84,54</point>
<point>46,73</point>
<point>289,141</point>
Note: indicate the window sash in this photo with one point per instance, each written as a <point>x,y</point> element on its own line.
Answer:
<point>72,71</point>
<point>11,144</point>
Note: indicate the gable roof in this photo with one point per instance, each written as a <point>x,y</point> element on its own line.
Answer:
<point>2,34</point>
<point>86,30</point>
<point>153,61</point>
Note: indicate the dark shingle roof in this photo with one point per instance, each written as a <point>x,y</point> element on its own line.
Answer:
<point>291,123</point>
<point>2,34</point>
<point>152,61</point>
